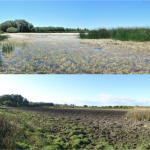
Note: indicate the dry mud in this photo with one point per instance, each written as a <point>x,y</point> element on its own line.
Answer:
<point>92,118</point>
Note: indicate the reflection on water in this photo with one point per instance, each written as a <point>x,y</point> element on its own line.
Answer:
<point>98,48</point>
<point>147,60</point>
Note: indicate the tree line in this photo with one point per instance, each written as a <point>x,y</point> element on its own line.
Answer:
<point>13,100</point>
<point>19,101</point>
<point>24,26</point>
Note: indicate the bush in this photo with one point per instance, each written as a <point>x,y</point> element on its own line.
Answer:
<point>81,31</point>
<point>12,30</point>
<point>1,32</point>
<point>8,103</point>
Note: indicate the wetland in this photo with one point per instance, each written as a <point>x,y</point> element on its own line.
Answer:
<point>67,53</point>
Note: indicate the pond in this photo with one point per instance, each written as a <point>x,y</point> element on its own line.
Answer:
<point>67,54</point>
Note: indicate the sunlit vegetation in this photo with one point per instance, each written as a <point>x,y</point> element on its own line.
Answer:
<point>123,34</point>
<point>139,113</point>
<point>12,30</point>
<point>14,100</point>
<point>22,26</point>
<point>32,128</point>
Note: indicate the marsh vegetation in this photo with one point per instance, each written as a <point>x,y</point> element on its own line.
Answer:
<point>123,34</point>
<point>84,58</point>
<point>51,128</point>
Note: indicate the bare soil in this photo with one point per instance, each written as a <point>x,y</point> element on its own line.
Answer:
<point>91,117</point>
<point>110,124</point>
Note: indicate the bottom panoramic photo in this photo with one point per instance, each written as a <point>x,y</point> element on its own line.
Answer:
<point>71,112</point>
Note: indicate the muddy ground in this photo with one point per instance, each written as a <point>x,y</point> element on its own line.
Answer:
<point>92,118</point>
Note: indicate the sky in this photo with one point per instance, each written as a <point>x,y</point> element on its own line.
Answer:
<point>90,14</point>
<point>90,90</point>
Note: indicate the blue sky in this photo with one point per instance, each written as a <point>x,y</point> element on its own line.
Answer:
<point>91,90</point>
<point>79,13</point>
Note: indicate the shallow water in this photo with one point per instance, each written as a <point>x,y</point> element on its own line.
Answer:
<point>41,51</point>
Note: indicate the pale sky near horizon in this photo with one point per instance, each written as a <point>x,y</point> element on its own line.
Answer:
<point>90,14</point>
<point>91,90</point>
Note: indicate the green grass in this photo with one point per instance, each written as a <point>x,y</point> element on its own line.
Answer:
<point>123,34</point>
<point>31,130</point>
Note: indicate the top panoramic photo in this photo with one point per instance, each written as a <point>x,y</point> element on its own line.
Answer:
<point>75,37</point>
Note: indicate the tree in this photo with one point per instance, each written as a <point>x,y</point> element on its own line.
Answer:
<point>77,29</point>
<point>13,23</point>
<point>22,25</point>
<point>109,106</point>
<point>25,102</point>
<point>4,26</point>
<point>31,27</point>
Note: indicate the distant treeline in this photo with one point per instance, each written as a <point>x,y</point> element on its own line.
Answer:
<point>108,107</point>
<point>19,101</point>
<point>24,26</point>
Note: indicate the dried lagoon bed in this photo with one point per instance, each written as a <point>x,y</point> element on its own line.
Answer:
<point>65,53</point>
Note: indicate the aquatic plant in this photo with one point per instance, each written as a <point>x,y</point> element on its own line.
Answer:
<point>7,47</point>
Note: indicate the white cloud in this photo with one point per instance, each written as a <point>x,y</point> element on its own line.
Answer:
<point>118,100</point>
<point>102,100</point>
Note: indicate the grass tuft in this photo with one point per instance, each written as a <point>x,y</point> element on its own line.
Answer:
<point>7,47</point>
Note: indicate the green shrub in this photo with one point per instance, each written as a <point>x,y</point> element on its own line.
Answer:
<point>12,30</point>
<point>8,103</point>
<point>1,32</point>
<point>81,31</point>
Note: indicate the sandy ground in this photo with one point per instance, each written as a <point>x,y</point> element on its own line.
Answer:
<point>56,37</point>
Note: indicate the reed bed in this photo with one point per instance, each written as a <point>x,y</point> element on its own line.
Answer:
<point>140,114</point>
<point>123,34</point>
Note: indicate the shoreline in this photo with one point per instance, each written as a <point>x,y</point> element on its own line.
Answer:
<point>104,43</point>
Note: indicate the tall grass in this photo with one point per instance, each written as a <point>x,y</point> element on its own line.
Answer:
<point>123,34</point>
<point>0,61</point>
<point>8,133</point>
<point>8,47</point>
<point>140,114</point>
